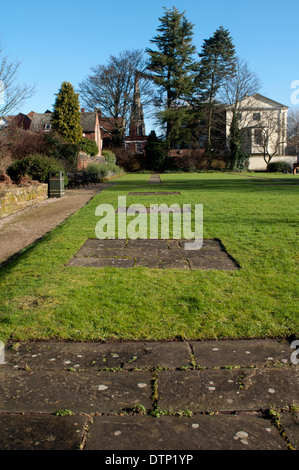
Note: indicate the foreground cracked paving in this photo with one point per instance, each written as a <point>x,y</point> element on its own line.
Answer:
<point>155,254</point>
<point>149,396</point>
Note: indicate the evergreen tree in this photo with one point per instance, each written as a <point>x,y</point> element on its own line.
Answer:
<point>236,158</point>
<point>156,152</point>
<point>66,114</point>
<point>172,65</point>
<point>217,62</point>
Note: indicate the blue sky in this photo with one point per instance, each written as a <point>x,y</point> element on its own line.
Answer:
<point>61,40</point>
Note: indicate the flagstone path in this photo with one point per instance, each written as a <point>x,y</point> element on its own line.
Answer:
<point>184,395</point>
<point>149,396</point>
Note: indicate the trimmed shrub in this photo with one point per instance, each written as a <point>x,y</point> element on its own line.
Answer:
<point>113,168</point>
<point>109,156</point>
<point>36,166</point>
<point>102,169</point>
<point>69,153</point>
<point>279,167</point>
<point>97,169</point>
<point>89,146</point>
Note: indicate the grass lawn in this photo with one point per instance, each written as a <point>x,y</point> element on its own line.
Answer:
<point>255,219</point>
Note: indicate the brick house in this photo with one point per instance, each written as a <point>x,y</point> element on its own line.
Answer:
<point>89,122</point>
<point>20,120</point>
<point>108,130</point>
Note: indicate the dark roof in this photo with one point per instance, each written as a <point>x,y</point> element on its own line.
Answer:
<point>38,121</point>
<point>107,126</point>
<point>88,121</point>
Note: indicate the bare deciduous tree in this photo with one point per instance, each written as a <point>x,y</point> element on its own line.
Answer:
<point>243,82</point>
<point>12,93</point>
<point>110,87</point>
<point>293,131</point>
<point>268,136</point>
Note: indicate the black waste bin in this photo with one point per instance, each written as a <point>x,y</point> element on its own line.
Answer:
<point>56,184</point>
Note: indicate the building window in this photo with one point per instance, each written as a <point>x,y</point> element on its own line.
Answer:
<point>47,127</point>
<point>258,137</point>
<point>139,146</point>
<point>140,130</point>
<point>256,116</point>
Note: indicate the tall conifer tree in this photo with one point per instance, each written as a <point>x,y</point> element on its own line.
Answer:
<point>218,61</point>
<point>172,65</point>
<point>66,114</point>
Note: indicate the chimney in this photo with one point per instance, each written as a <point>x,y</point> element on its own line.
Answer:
<point>82,110</point>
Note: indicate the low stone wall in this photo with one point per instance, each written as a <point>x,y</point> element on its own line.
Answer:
<point>15,199</point>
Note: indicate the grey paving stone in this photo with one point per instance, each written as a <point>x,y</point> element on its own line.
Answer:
<point>152,253</point>
<point>206,243</point>
<point>154,179</point>
<point>201,432</point>
<point>213,252</point>
<point>228,390</point>
<point>154,210</point>
<point>243,353</point>
<point>49,391</point>
<point>212,263</point>
<point>290,423</point>
<point>154,193</point>
<point>147,244</point>
<point>152,262</point>
<point>96,243</point>
<point>102,262</point>
<point>173,262</point>
<point>96,356</point>
<point>27,432</point>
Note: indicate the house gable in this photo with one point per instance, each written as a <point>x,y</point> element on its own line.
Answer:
<point>258,101</point>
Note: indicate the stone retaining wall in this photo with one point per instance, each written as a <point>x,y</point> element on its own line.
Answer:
<point>15,199</point>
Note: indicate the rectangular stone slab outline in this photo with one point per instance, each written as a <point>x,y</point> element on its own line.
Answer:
<point>153,254</point>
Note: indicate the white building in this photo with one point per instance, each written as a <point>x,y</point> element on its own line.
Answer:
<point>263,125</point>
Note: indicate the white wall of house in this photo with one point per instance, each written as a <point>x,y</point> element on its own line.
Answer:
<point>3,123</point>
<point>263,124</point>
<point>258,163</point>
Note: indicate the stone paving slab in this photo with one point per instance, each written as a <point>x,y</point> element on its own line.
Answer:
<point>154,179</point>
<point>152,253</point>
<point>290,424</point>
<point>245,353</point>
<point>50,391</point>
<point>199,432</point>
<point>228,389</point>
<point>152,210</point>
<point>154,193</point>
<point>23,432</point>
<point>102,262</point>
<point>230,403</point>
<point>97,356</point>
